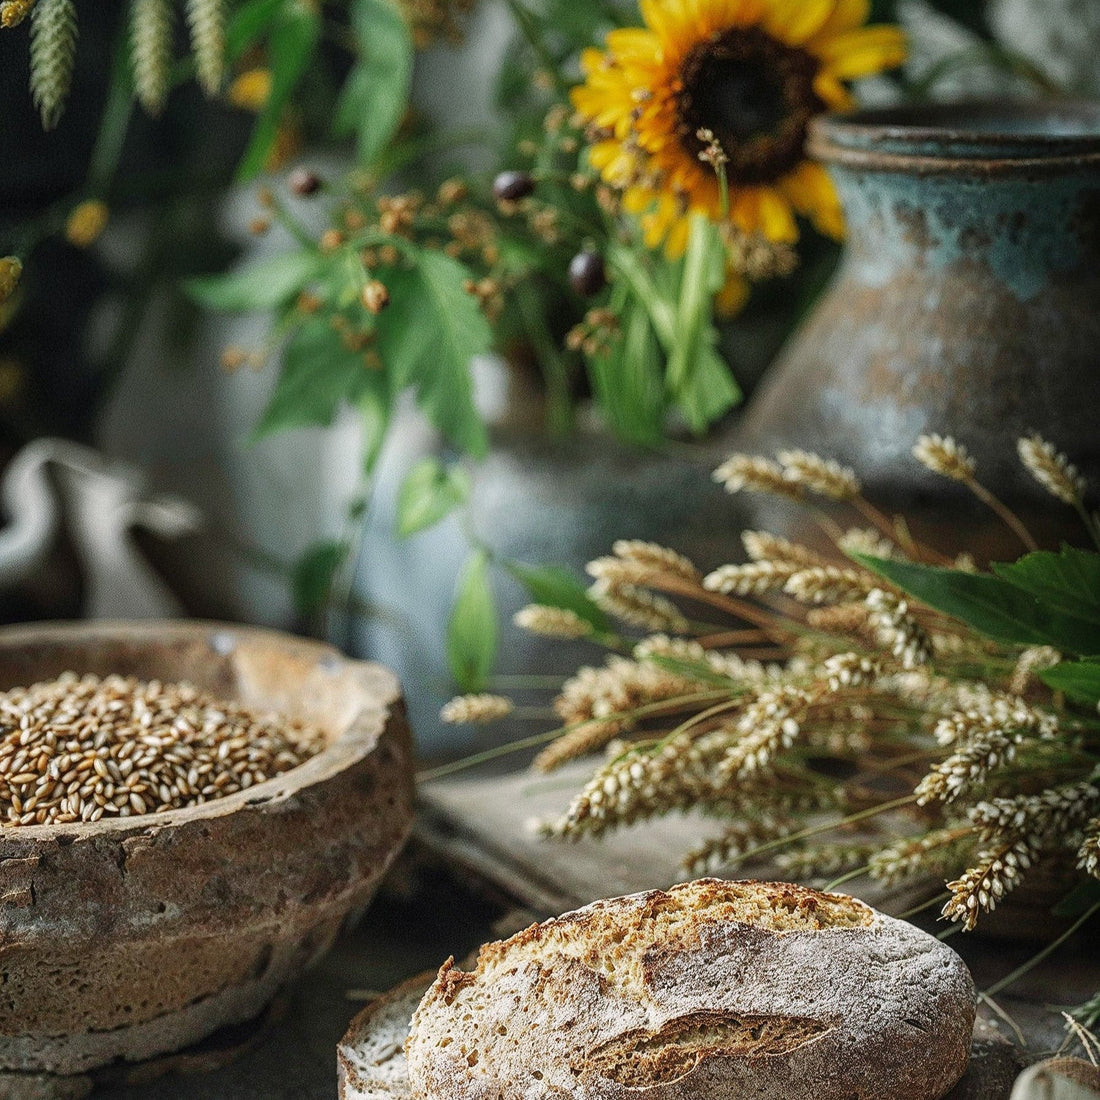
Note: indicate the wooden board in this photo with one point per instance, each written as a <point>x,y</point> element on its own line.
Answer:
<point>485,822</point>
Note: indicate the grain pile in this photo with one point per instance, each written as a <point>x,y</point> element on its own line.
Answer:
<point>80,748</point>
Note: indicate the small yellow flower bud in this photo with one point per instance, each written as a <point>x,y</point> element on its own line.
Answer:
<point>10,269</point>
<point>86,223</point>
<point>250,91</point>
<point>331,240</point>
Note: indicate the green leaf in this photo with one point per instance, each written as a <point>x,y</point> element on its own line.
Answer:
<point>430,492</point>
<point>376,93</point>
<point>472,631</point>
<point>248,25</point>
<point>628,383</point>
<point>1067,581</point>
<point>318,376</point>
<point>557,587</point>
<point>709,391</point>
<point>314,575</point>
<point>291,47</point>
<point>990,605</point>
<point>701,277</point>
<point>264,285</point>
<point>427,336</point>
<point>1080,680</point>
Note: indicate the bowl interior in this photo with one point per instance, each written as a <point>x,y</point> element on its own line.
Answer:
<point>267,671</point>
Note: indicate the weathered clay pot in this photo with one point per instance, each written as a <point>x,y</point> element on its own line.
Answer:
<point>967,303</point>
<point>127,938</point>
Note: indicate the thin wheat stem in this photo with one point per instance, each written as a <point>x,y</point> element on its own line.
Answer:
<point>830,826</point>
<point>931,903</point>
<point>914,549</point>
<point>1039,956</point>
<point>858,872</point>
<point>1002,510</point>
<point>665,707</point>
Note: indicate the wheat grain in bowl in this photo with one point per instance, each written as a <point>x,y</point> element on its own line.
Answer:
<point>82,748</point>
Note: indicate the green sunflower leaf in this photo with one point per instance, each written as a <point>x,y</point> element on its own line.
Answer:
<point>319,375</point>
<point>472,630</point>
<point>1080,680</point>
<point>291,45</point>
<point>1066,581</point>
<point>429,493</point>
<point>314,575</point>
<point>557,587</point>
<point>376,93</point>
<point>263,285</point>
<point>991,605</point>
<point>427,337</point>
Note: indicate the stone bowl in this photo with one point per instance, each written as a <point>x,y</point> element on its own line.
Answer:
<point>125,939</point>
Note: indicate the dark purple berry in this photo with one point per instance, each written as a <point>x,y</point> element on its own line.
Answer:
<point>587,274</point>
<point>303,182</point>
<point>512,186</point>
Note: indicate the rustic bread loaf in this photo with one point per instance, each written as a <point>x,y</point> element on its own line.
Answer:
<point>714,989</point>
<point>370,1059</point>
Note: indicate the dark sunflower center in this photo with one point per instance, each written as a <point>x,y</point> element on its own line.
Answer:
<point>757,97</point>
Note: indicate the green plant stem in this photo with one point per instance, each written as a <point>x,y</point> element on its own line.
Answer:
<point>115,120</point>
<point>625,264</point>
<point>555,370</point>
<point>528,27</point>
<point>1039,956</point>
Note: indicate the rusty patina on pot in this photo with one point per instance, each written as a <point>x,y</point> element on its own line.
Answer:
<point>967,303</point>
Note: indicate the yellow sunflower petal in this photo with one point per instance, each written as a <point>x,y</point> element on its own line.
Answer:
<point>776,217</point>
<point>832,93</point>
<point>796,21</point>
<point>862,52</point>
<point>810,191</point>
<point>846,16</point>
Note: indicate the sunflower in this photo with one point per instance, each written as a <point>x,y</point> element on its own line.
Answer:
<point>751,72</point>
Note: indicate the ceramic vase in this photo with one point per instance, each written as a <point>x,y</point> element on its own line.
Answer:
<point>967,303</point>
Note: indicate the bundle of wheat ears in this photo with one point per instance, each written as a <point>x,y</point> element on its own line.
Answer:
<point>817,697</point>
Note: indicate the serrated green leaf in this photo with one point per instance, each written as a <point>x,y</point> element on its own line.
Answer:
<point>427,337</point>
<point>557,587</point>
<point>295,33</point>
<point>318,376</point>
<point>1080,680</point>
<point>472,630</point>
<point>314,575</point>
<point>1066,581</point>
<point>264,285</point>
<point>429,493</point>
<point>375,95</point>
<point>990,605</point>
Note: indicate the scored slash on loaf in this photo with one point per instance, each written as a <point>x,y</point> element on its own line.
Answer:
<point>715,989</point>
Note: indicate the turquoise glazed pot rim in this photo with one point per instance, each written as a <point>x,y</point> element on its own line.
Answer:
<point>963,135</point>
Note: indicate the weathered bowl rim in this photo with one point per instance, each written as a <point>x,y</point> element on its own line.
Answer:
<point>352,745</point>
<point>938,135</point>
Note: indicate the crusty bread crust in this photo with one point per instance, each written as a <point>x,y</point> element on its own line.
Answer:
<point>714,989</point>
